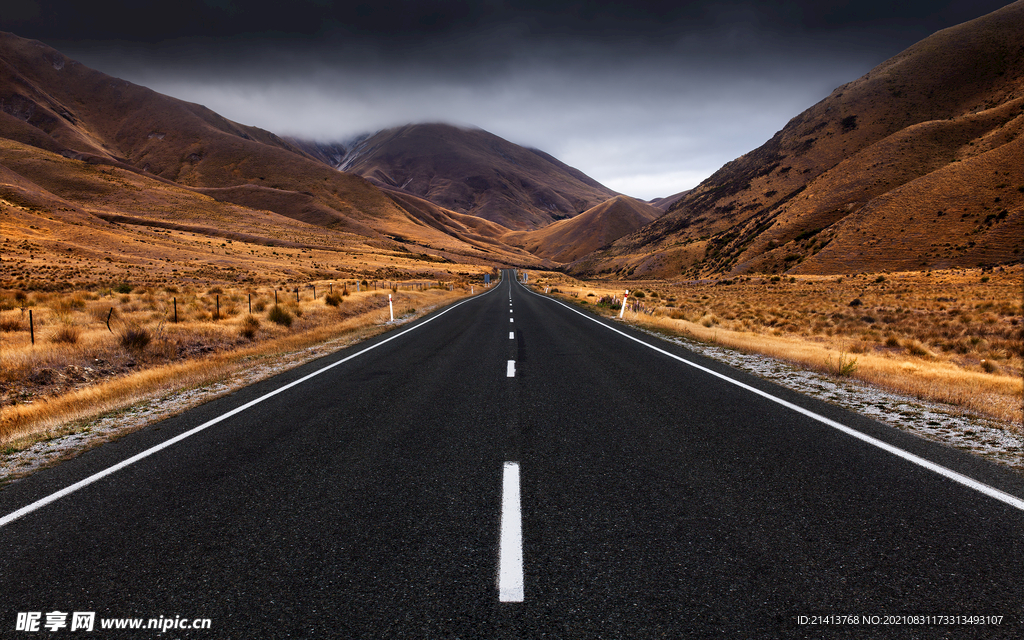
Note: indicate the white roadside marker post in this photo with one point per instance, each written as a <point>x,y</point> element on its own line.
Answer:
<point>391,307</point>
<point>623,309</point>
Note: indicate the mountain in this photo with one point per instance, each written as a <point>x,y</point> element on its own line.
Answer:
<point>330,153</point>
<point>59,105</point>
<point>475,172</point>
<point>568,240</point>
<point>919,164</point>
<point>666,203</point>
<point>71,134</point>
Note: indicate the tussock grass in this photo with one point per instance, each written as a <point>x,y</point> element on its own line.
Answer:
<point>47,387</point>
<point>946,336</point>
<point>280,315</point>
<point>997,396</point>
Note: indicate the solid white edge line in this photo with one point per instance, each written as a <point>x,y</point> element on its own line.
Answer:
<point>981,487</point>
<point>510,546</point>
<point>511,370</point>
<point>42,502</point>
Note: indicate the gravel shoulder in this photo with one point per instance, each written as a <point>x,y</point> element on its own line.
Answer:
<point>941,423</point>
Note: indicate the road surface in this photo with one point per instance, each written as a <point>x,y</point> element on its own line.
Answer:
<point>511,467</point>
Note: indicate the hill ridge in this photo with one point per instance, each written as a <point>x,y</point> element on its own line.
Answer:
<point>470,170</point>
<point>868,149</point>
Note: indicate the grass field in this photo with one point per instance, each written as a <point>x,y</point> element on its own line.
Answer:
<point>949,336</point>
<point>99,350</point>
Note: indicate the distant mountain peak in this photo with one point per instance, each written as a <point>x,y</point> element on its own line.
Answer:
<point>470,170</point>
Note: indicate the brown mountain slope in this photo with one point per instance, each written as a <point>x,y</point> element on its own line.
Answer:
<point>56,105</point>
<point>476,172</point>
<point>666,203</point>
<point>476,232</point>
<point>85,114</point>
<point>64,221</point>
<point>568,240</point>
<point>918,164</point>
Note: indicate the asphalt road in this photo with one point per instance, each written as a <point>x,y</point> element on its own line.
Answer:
<point>657,500</point>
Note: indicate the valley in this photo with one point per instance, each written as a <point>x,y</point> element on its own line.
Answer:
<point>879,234</point>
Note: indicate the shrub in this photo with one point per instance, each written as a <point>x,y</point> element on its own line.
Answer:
<point>842,366</point>
<point>989,366</point>
<point>123,287</point>
<point>135,338</point>
<point>279,315</point>
<point>915,348</point>
<point>66,334</point>
<point>855,302</point>
<point>249,326</point>
<point>260,305</point>
<point>332,299</point>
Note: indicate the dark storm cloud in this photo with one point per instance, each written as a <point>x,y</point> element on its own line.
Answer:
<point>647,97</point>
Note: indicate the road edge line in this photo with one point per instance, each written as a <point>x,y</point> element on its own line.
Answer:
<point>53,497</point>
<point>955,476</point>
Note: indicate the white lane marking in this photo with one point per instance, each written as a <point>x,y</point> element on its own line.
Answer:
<point>966,481</point>
<point>511,335</point>
<point>511,320</point>
<point>42,502</point>
<point>510,552</point>
<point>511,370</point>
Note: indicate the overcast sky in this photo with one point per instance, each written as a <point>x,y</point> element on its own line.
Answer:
<point>648,98</point>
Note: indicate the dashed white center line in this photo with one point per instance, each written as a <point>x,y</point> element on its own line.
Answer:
<point>510,552</point>
<point>511,335</point>
<point>511,371</point>
<point>511,320</point>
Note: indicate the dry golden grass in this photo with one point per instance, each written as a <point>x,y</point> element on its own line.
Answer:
<point>950,336</point>
<point>47,386</point>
